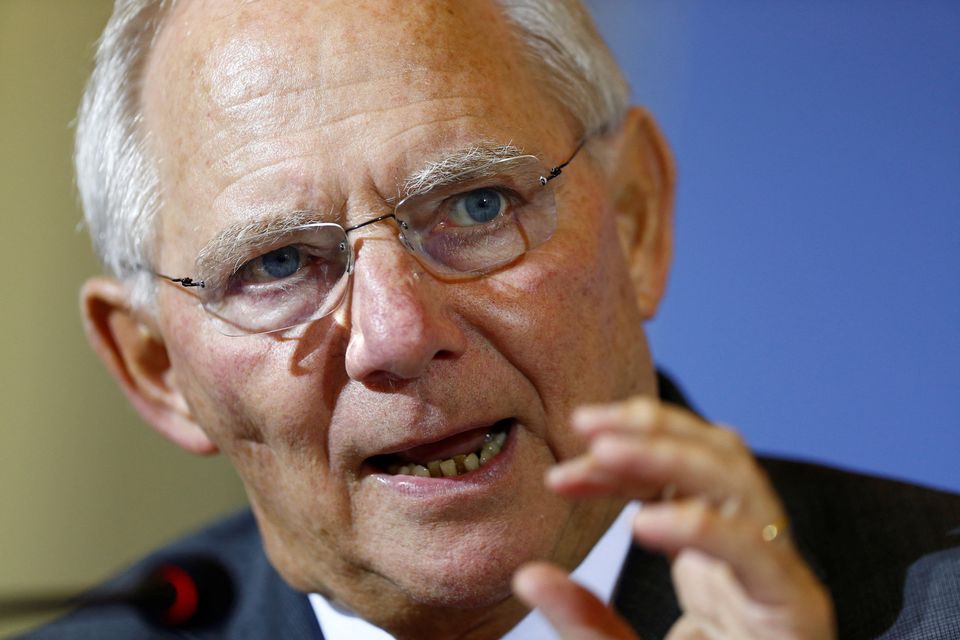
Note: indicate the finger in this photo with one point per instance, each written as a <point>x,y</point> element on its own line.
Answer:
<point>641,467</point>
<point>639,414</point>
<point>574,612</point>
<point>648,418</point>
<point>709,593</point>
<point>770,572</point>
<point>582,477</point>
<point>690,468</point>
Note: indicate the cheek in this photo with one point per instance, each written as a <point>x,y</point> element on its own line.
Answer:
<point>568,321</point>
<point>270,422</point>
<point>583,311</point>
<point>219,386</point>
<point>248,390</point>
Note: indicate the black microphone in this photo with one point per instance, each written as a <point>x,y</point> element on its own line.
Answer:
<point>183,591</point>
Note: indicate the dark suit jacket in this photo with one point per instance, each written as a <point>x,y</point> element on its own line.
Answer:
<point>888,551</point>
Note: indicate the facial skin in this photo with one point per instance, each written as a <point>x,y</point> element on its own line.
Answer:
<point>270,107</point>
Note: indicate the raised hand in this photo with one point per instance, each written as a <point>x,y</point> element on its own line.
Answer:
<point>709,507</point>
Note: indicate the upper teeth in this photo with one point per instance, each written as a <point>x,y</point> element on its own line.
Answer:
<point>492,443</point>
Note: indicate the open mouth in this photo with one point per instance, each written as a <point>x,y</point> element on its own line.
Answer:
<point>448,458</point>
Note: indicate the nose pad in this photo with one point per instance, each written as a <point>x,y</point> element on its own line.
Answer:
<point>399,320</point>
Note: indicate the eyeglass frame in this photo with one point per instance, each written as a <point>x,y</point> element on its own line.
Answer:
<point>189,282</point>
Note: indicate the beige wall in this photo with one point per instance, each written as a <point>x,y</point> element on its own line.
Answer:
<point>85,486</point>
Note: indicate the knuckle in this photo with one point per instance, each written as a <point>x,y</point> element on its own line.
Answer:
<point>645,411</point>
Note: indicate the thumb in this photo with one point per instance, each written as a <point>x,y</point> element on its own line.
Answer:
<point>573,611</point>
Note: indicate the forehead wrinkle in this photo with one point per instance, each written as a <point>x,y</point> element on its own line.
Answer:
<point>269,72</point>
<point>284,185</point>
<point>296,137</point>
<point>434,124</point>
<point>406,77</point>
<point>302,145</point>
<point>243,68</point>
<point>241,53</point>
<point>237,177</point>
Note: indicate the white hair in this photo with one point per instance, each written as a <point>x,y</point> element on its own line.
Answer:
<point>575,63</point>
<point>118,180</point>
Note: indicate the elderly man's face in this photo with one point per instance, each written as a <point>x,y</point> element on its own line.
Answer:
<point>267,108</point>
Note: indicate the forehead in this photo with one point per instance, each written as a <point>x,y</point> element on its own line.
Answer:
<point>318,100</point>
<point>238,50</point>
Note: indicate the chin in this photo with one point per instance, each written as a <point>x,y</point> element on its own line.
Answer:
<point>460,587</point>
<point>469,571</point>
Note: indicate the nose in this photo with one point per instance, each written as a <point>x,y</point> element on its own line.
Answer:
<point>399,321</point>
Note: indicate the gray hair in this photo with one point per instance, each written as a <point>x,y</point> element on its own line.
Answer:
<point>118,181</point>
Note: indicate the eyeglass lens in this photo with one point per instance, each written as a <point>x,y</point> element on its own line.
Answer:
<point>473,223</point>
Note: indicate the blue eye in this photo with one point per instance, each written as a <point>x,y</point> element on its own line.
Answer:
<point>477,207</point>
<point>275,265</point>
<point>282,262</point>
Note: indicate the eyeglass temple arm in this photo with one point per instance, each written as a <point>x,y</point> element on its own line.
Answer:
<point>557,170</point>
<point>185,282</point>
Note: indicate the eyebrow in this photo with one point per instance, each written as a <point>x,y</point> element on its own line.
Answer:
<point>480,160</point>
<point>233,244</point>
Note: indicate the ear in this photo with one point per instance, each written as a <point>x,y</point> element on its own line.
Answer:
<point>642,185</point>
<point>137,358</point>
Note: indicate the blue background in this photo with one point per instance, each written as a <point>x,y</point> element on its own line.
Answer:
<point>815,298</point>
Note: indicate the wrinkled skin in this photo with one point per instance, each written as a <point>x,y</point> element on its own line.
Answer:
<point>265,108</point>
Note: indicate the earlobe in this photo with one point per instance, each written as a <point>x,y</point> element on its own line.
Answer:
<point>642,186</point>
<point>137,358</point>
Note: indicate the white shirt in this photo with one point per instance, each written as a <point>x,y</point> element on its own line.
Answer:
<point>598,572</point>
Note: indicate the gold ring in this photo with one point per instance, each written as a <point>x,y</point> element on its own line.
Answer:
<point>774,530</point>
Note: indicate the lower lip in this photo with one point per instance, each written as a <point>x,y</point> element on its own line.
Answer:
<point>482,478</point>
